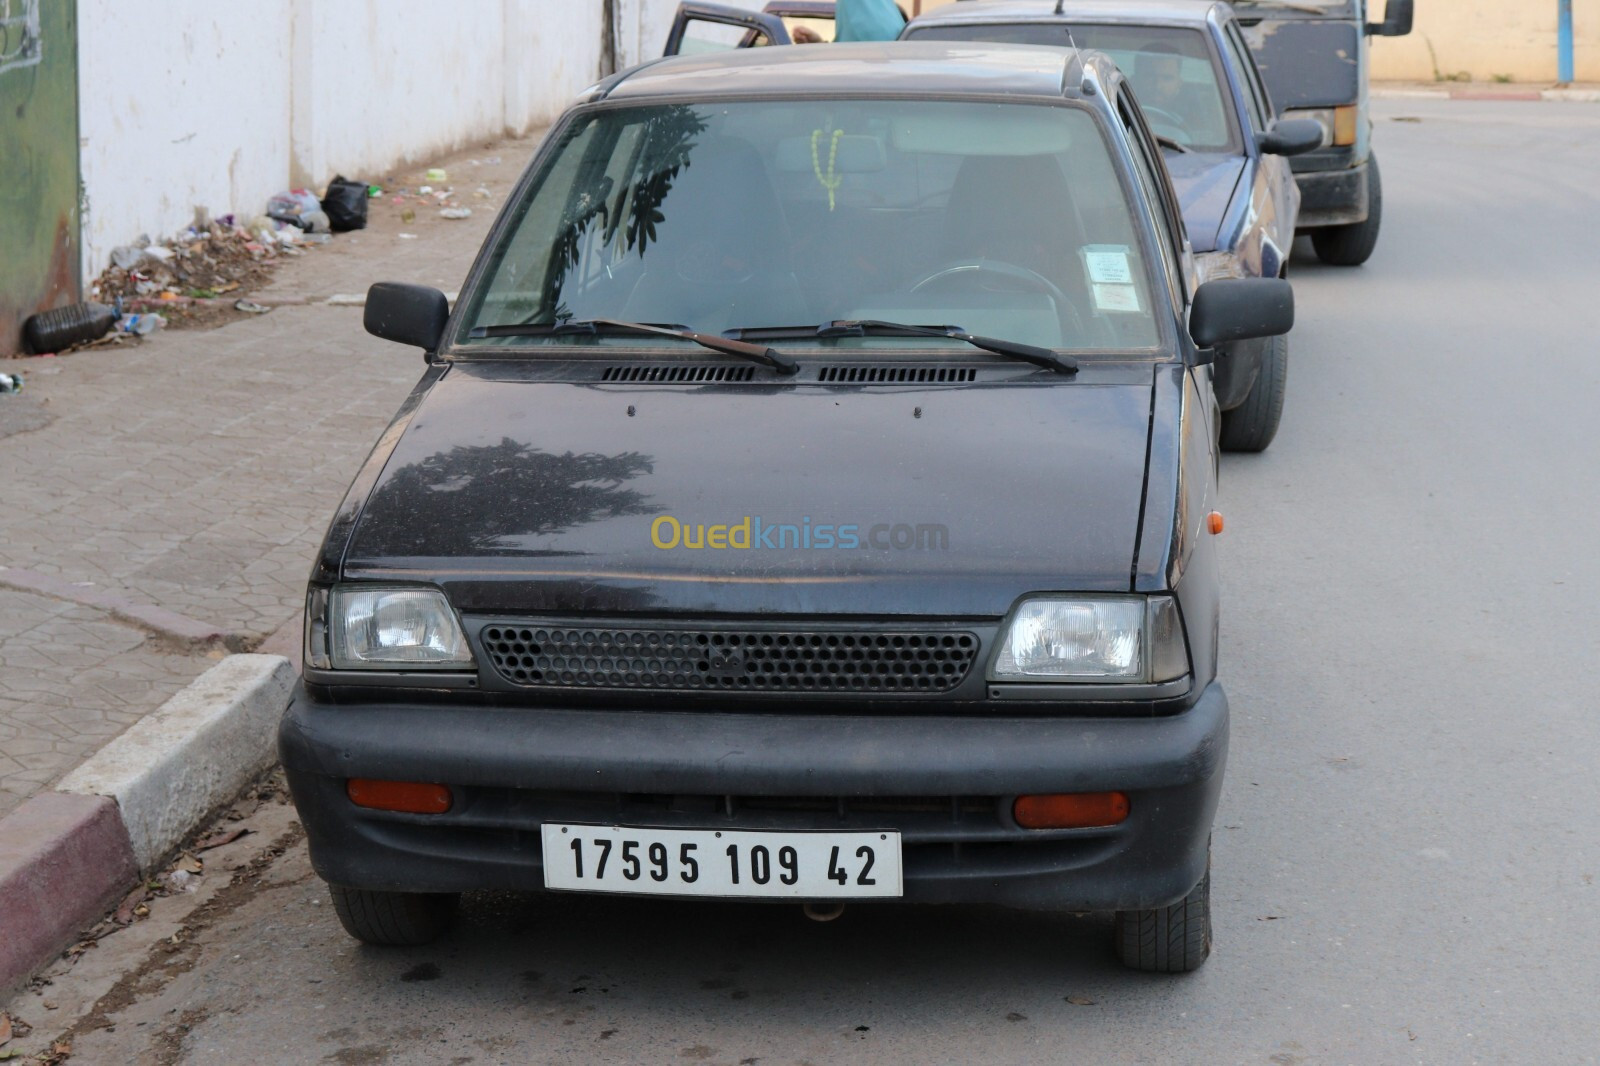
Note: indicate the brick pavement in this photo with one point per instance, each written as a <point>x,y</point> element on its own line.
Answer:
<point>195,473</point>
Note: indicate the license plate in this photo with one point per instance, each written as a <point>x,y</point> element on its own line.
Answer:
<point>710,862</point>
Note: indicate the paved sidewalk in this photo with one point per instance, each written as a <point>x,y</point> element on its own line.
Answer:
<point>161,492</point>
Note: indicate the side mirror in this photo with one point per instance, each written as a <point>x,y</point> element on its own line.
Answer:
<point>407,314</point>
<point>1240,309</point>
<point>1291,136</point>
<point>1397,17</point>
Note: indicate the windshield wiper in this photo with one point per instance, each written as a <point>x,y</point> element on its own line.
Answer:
<point>596,327</point>
<point>1028,353</point>
<point>1168,142</point>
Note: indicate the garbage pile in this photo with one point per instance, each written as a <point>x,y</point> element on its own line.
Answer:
<point>205,261</point>
<point>201,274</point>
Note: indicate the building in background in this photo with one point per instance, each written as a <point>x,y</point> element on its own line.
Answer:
<point>40,219</point>
<point>120,119</point>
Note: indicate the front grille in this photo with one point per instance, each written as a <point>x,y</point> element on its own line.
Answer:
<point>843,661</point>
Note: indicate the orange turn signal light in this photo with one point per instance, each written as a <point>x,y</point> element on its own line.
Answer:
<point>1344,125</point>
<point>1214,522</point>
<point>1082,810</point>
<point>408,797</point>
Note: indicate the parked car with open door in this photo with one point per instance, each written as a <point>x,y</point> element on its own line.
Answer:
<point>700,27</point>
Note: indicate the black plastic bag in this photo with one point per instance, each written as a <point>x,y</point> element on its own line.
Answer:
<point>346,204</point>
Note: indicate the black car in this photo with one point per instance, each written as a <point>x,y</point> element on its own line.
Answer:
<point>810,498</point>
<point>1223,142</point>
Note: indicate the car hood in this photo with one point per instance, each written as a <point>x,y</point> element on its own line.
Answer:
<point>520,494</point>
<point>1308,63</point>
<point>1204,182</point>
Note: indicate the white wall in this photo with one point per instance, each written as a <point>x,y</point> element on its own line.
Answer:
<point>178,111</point>
<point>1489,39</point>
<point>552,53</point>
<point>223,105</point>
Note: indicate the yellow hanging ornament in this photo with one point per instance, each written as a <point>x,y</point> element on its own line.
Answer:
<point>831,181</point>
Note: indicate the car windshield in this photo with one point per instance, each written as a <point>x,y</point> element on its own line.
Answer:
<point>1006,220</point>
<point>1177,76</point>
<point>1278,9</point>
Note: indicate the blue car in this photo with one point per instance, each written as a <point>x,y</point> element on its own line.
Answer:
<point>1223,143</point>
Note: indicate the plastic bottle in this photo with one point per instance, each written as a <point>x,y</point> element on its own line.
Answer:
<point>142,325</point>
<point>62,327</point>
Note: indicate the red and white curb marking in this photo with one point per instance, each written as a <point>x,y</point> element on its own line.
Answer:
<point>66,855</point>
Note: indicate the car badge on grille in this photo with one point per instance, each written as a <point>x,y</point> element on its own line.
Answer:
<point>727,661</point>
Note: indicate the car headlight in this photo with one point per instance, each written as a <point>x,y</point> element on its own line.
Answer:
<point>1338,123</point>
<point>1127,639</point>
<point>388,628</point>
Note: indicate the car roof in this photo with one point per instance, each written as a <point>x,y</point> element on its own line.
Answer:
<point>1174,12</point>
<point>920,68</point>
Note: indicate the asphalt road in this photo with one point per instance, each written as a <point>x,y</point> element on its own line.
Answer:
<point>1406,856</point>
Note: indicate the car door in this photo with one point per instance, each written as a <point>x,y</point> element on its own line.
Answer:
<point>814,15</point>
<point>702,27</point>
<point>1274,196</point>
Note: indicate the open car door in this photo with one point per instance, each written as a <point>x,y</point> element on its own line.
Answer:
<point>702,27</point>
<point>814,15</point>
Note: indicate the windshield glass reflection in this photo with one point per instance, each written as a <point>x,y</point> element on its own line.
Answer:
<point>1006,220</point>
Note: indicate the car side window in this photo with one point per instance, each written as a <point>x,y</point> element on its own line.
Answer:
<point>1157,192</point>
<point>1255,95</point>
<point>701,36</point>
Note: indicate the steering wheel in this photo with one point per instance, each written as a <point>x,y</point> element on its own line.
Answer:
<point>960,269</point>
<point>1164,123</point>
<point>970,272</point>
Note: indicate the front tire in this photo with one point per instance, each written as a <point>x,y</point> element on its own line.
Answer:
<point>1251,426</point>
<point>1352,245</point>
<point>1175,939</point>
<point>393,919</point>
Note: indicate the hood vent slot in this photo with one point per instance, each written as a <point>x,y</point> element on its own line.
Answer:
<point>677,373</point>
<point>897,375</point>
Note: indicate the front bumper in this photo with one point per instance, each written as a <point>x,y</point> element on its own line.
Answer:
<point>945,783</point>
<point>1332,197</point>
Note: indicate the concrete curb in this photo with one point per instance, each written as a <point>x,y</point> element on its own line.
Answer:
<point>63,861</point>
<point>175,766</point>
<point>65,855</point>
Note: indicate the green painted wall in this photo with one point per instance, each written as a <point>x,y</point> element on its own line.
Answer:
<point>38,161</point>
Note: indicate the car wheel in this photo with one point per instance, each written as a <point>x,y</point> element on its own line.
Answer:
<point>1175,939</point>
<point>1251,426</point>
<point>1352,245</point>
<point>393,919</point>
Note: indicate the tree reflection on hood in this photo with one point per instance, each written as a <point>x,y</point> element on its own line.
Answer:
<point>500,498</point>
